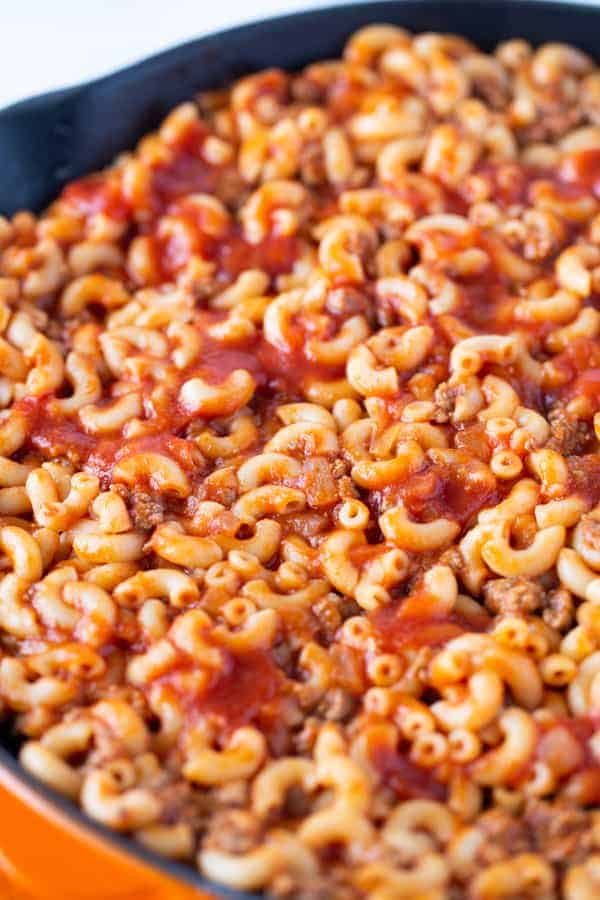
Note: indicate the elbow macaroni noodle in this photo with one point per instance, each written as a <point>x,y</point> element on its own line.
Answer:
<point>300,478</point>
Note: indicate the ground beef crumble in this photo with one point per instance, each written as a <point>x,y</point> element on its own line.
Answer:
<point>560,609</point>
<point>147,510</point>
<point>568,435</point>
<point>560,832</point>
<point>233,831</point>
<point>288,887</point>
<point>504,836</point>
<point>590,532</point>
<point>512,596</point>
<point>337,705</point>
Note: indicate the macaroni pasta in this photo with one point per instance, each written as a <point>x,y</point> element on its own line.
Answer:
<point>300,478</point>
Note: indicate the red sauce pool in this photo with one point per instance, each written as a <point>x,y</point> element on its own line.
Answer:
<point>441,491</point>
<point>415,622</point>
<point>96,194</point>
<point>582,169</point>
<point>247,684</point>
<point>408,780</point>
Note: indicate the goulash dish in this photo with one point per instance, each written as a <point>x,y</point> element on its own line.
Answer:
<point>300,479</point>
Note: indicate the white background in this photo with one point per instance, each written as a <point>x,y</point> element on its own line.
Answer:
<point>53,43</point>
<point>47,44</point>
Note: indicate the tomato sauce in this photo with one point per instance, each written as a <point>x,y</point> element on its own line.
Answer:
<point>441,491</point>
<point>185,171</point>
<point>415,621</point>
<point>579,357</point>
<point>588,385</point>
<point>486,305</point>
<point>510,183</point>
<point>271,366</point>
<point>95,194</point>
<point>403,776</point>
<point>109,452</point>
<point>52,433</point>
<point>55,435</point>
<point>230,254</point>
<point>275,254</point>
<point>582,169</point>
<point>241,691</point>
<point>553,736</point>
<point>185,174</point>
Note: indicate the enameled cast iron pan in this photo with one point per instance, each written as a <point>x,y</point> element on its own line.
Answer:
<point>48,849</point>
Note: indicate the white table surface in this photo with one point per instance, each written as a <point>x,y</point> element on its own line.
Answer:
<point>53,43</point>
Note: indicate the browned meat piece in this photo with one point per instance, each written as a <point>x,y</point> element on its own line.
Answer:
<point>562,833</point>
<point>445,401</point>
<point>328,614</point>
<point>453,557</point>
<point>339,468</point>
<point>184,803</point>
<point>318,483</point>
<point>288,887</point>
<point>337,705</point>
<point>552,123</point>
<point>569,436</point>
<point>147,510</point>
<point>348,301</point>
<point>283,654</point>
<point>312,165</point>
<point>346,487</point>
<point>559,609</point>
<point>233,831</point>
<point>493,90</point>
<point>509,596</point>
<point>232,794</point>
<point>505,836</point>
<point>590,532</point>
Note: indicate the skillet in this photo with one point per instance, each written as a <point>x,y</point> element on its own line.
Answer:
<point>48,140</point>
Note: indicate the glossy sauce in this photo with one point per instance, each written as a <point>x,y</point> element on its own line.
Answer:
<point>242,690</point>
<point>404,777</point>
<point>582,169</point>
<point>415,621</point>
<point>440,491</point>
<point>236,695</point>
<point>94,194</point>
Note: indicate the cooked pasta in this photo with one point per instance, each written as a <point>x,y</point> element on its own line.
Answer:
<point>300,478</point>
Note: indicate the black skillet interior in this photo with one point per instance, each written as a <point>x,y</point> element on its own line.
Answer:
<point>49,140</point>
